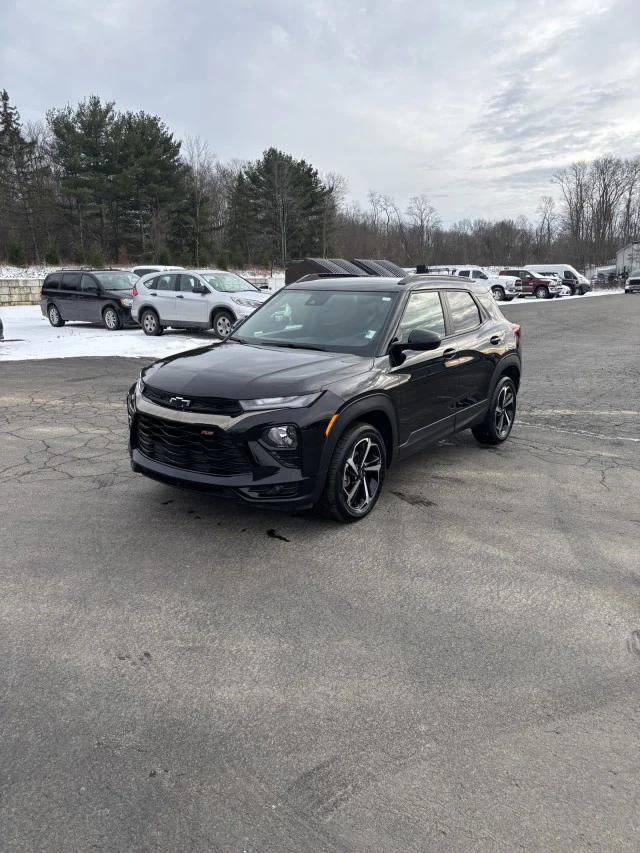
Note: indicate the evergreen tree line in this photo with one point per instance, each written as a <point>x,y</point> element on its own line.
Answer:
<point>93,185</point>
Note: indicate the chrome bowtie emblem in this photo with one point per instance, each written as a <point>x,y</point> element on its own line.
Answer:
<point>179,402</point>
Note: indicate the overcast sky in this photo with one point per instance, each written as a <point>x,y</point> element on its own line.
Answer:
<point>474,102</point>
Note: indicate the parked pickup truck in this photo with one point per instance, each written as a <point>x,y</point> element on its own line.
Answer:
<point>535,284</point>
<point>504,288</point>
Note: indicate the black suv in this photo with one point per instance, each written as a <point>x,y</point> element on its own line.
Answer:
<point>96,296</point>
<point>316,393</point>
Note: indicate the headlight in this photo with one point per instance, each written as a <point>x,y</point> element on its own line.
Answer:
<point>246,302</point>
<point>140,385</point>
<point>127,302</point>
<point>282,436</point>
<point>264,403</point>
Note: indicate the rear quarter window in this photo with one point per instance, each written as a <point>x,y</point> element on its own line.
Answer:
<point>52,281</point>
<point>465,314</point>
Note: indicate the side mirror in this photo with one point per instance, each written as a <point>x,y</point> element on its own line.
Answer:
<point>199,288</point>
<point>420,340</point>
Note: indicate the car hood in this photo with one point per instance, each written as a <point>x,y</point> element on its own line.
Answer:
<point>245,372</point>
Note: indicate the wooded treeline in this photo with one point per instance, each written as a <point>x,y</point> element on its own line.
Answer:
<point>90,184</point>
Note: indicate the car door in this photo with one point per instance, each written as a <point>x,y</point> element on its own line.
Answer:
<point>527,281</point>
<point>425,393</point>
<point>162,295</point>
<point>68,295</point>
<point>476,339</point>
<point>191,306</point>
<point>88,299</point>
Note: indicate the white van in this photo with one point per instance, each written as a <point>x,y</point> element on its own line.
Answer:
<point>568,274</point>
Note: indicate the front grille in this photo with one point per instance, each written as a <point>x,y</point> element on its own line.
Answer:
<point>201,405</point>
<point>201,448</point>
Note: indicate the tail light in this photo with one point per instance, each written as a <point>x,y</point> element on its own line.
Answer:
<point>134,292</point>
<point>517,331</point>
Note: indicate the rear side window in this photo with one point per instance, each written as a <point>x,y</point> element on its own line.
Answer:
<point>163,282</point>
<point>464,311</point>
<point>465,273</point>
<point>88,284</point>
<point>52,281</point>
<point>71,281</point>
<point>423,311</point>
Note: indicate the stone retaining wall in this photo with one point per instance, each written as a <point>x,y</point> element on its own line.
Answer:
<point>20,291</point>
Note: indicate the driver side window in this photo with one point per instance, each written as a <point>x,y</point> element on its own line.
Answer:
<point>423,311</point>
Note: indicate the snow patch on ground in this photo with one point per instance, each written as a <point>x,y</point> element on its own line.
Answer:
<point>29,335</point>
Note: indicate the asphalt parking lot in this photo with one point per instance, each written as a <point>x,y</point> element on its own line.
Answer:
<point>460,671</point>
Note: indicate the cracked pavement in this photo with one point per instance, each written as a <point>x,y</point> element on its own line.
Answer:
<point>461,671</point>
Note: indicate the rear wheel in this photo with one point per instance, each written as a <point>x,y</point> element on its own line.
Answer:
<point>499,419</point>
<point>498,292</point>
<point>541,292</point>
<point>356,474</point>
<point>222,323</point>
<point>111,319</point>
<point>150,322</point>
<point>55,317</point>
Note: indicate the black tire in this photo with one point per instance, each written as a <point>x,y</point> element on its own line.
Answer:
<point>150,322</point>
<point>55,317</point>
<point>346,476</point>
<point>490,430</point>
<point>222,323</point>
<point>111,319</point>
<point>498,292</point>
<point>541,292</point>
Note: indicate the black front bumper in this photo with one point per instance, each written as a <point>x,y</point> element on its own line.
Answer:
<point>234,461</point>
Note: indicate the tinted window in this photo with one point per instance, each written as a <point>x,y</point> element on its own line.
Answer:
<point>333,320</point>
<point>423,311</point>
<point>163,282</point>
<point>465,273</point>
<point>116,280</point>
<point>568,274</point>
<point>52,281</point>
<point>188,282</point>
<point>88,284</point>
<point>71,281</point>
<point>464,311</point>
<point>478,274</point>
<point>144,270</point>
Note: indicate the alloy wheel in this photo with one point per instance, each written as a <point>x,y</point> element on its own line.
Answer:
<point>498,293</point>
<point>223,326</point>
<point>111,319</point>
<point>149,323</point>
<point>361,475</point>
<point>505,411</point>
<point>54,316</point>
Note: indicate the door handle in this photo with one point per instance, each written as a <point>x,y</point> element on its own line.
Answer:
<point>153,294</point>
<point>449,353</point>
<point>496,339</point>
<point>179,296</point>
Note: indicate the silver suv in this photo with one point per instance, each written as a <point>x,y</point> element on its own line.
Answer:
<point>193,299</point>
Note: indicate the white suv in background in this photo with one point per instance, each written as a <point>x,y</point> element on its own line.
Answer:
<point>504,288</point>
<point>193,299</point>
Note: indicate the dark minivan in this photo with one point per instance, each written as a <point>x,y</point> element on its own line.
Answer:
<point>95,296</point>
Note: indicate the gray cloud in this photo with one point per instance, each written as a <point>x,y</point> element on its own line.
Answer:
<point>475,104</point>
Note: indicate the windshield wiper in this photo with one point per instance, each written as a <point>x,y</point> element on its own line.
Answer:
<point>295,346</point>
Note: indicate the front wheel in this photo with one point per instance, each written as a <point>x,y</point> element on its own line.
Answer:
<point>499,419</point>
<point>222,323</point>
<point>111,319</point>
<point>498,293</point>
<point>356,474</point>
<point>541,292</point>
<point>55,317</point>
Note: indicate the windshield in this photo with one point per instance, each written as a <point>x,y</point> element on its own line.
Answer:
<point>116,280</point>
<point>332,320</point>
<point>227,282</point>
